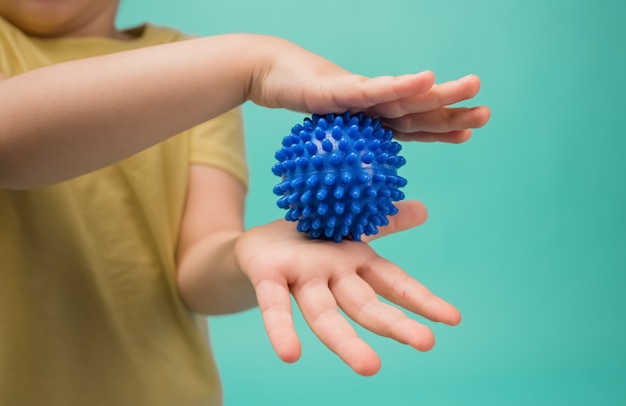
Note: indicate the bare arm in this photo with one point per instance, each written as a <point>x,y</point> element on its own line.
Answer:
<point>209,279</point>
<point>68,119</point>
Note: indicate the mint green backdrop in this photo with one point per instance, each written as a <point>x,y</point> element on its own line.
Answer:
<point>527,223</point>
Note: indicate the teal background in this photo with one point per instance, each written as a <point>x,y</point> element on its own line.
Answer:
<point>527,223</point>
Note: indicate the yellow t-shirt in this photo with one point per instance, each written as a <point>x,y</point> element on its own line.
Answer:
<point>89,309</point>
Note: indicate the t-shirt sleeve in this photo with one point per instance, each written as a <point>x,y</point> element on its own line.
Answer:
<point>220,143</point>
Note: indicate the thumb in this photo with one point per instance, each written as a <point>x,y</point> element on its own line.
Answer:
<point>410,214</point>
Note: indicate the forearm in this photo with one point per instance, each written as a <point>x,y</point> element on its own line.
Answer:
<point>68,119</point>
<point>209,279</point>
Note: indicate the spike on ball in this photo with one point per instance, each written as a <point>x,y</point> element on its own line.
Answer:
<point>339,176</point>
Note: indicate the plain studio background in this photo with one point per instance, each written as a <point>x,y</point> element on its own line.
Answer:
<point>527,227</point>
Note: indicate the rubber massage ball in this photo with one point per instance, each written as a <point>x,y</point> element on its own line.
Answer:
<point>339,176</point>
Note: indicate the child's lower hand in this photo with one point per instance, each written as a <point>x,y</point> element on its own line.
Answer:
<point>324,277</point>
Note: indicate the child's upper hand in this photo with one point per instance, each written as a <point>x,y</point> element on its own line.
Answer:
<point>412,105</point>
<point>325,276</point>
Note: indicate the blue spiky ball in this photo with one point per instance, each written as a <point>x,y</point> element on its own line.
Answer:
<point>339,176</point>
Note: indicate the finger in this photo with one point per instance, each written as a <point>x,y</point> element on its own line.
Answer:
<point>320,311</point>
<point>275,304</point>
<point>410,214</point>
<point>442,120</point>
<point>438,96</point>
<point>452,137</point>
<point>361,304</point>
<point>350,92</point>
<point>395,285</point>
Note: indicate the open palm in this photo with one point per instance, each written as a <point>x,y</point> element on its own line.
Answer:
<point>324,277</point>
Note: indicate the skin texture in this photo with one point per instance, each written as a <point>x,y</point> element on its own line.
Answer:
<point>65,120</point>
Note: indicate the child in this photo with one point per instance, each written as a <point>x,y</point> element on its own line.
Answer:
<point>122,184</point>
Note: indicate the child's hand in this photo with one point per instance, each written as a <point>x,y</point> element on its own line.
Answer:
<point>324,277</point>
<point>412,105</point>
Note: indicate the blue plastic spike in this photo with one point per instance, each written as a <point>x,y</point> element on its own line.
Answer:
<point>355,192</point>
<point>353,132</point>
<point>380,177</point>
<point>336,159</point>
<point>371,229</point>
<point>317,223</point>
<point>289,164</point>
<point>310,147</point>
<point>364,178</point>
<point>346,177</point>
<point>320,134</point>
<point>384,191</point>
<point>358,229</point>
<point>339,192</point>
<point>304,225</point>
<point>283,203</point>
<point>339,207</point>
<point>321,194</point>
<point>367,132</point>
<point>294,197</point>
<point>297,182</point>
<point>281,155</point>
<point>354,121</point>
<point>313,180</point>
<point>373,145</point>
<point>337,133</point>
<point>317,161</point>
<point>355,208</point>
<point>302,162</point>
<point>368,158</point>
<point>277,169</point>
<point>305,135</point>
<point>322,209</point>
<point>370,191</point>
<point>307,196</point>
<point>330,178</point>
<point>351,158</point>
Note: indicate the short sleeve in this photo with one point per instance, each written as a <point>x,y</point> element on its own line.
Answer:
<point>220,143</point>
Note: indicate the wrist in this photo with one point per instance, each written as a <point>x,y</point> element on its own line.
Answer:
<point>210,280</point>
